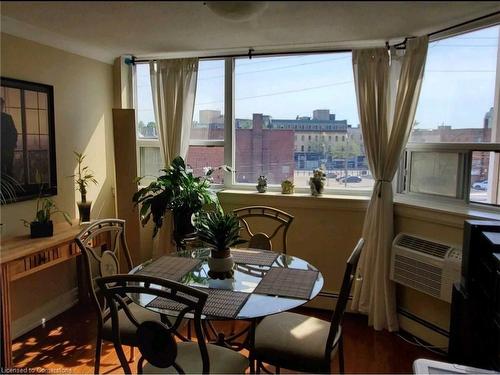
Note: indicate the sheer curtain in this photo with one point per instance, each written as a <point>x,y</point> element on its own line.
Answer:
<point>387,92</point>
<point>173,84</point>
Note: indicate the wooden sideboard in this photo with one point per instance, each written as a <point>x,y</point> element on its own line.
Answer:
<point>21,256</point>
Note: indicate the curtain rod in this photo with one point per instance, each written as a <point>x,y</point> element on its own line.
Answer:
<point>250,54</point>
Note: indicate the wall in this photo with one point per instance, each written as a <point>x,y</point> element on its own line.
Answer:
<point>326,229</point>
<point>83,97</point>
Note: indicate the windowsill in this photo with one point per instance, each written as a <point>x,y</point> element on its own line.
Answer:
<point>299,200</point>
<point>427,210</point>
<point>466,211</point>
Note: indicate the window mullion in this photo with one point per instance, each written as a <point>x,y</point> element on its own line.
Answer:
<point>229,118</point>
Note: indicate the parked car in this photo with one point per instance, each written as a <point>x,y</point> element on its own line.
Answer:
<point>480,185</point>
<point>350,179</point>
<point>331,175</point>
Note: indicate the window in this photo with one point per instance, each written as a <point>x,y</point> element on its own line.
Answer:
<point>207,132</point>
<point>269,91</point>
<point>453,150</point>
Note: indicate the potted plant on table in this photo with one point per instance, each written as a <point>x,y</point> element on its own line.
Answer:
<point>317,181</point>
<point>83,177</point>
<point>41,225</point>
<point>181,192</point>
<point>220,231</point>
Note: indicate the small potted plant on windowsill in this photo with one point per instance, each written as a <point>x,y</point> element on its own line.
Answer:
<point>220,231</point>
<point>42,226</point>
<point>83,177</point>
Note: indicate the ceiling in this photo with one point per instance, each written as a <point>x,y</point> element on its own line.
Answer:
<point>107,29</point>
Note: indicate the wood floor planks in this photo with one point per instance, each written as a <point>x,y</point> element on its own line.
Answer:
<point>66,345</point>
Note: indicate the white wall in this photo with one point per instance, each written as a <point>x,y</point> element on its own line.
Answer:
<point>83,98</point>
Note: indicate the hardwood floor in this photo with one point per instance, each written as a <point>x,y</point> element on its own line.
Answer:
<point>66,345</point>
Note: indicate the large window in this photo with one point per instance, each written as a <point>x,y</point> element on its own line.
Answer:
<point>294,114</point>
<point>206,148</point>
<point>452,146</point>
<point>291,114</point>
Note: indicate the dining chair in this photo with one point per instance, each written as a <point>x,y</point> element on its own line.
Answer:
<point>105,262</point>
<point>160,352</point>
<point>280,220</point>
<point>303,343</point>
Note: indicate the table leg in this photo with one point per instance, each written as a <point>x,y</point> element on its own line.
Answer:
<point>83,284</point>
<point>6,359</point>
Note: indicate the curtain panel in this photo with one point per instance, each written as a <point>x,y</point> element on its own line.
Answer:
<point>387,89</point>
<point>173,85</point>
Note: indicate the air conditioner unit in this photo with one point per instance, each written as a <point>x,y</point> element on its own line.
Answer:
<point>425,265</point>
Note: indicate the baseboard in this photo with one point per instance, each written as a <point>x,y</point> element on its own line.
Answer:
<point>43,313</point>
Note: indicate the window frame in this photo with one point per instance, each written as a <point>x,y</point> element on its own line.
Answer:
<point>229,134</point>
<point>400,183</point>
<point>155,142</point>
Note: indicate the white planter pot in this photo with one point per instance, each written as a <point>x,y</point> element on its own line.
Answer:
<point>220,264</point>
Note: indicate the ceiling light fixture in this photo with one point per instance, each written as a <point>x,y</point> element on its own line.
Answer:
<point>236,10</point>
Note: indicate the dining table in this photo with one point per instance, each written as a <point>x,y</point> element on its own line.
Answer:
<point>264,282</point>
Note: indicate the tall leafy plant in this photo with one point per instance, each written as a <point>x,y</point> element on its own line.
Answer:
<point>83,177</point>
<point>177,189</point>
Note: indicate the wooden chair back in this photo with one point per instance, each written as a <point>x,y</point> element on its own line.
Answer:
<point>156,340</point>
<point>281,220</point>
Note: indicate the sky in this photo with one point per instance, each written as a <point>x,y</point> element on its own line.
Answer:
<point>458,87</point>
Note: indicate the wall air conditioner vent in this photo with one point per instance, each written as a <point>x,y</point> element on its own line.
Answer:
<point>425,265</point>
<point>423,246</point>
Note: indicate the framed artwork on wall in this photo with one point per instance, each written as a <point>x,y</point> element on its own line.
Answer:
<point>28,149</point>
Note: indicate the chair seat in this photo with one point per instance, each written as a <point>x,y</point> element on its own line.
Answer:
<point>222,361</point>
<point>127,328</point>
<point>293,341</point>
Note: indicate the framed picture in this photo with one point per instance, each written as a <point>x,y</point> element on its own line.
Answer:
<point>28,149</point>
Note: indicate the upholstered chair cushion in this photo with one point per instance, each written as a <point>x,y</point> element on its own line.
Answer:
<point>293,341</point>
<point>127,328</point>
<point>222,360</point>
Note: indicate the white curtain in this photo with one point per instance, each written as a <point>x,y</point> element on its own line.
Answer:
<point>387,91</point>
<point>173,85</point>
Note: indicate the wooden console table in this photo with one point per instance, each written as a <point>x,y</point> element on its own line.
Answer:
<point>22,256</point>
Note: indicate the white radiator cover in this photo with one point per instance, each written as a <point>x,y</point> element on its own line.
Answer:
<point>425,265</point>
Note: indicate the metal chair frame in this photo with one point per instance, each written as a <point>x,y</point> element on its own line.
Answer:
<point>262,240</point>
<point>84,241</point>
<point>335,335</point>
<point>156,340</point>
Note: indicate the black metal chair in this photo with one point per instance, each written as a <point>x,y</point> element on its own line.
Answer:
<point>302,343</point>
<point>105,262</point>
<point>273,217</point>
<point>156,340</point>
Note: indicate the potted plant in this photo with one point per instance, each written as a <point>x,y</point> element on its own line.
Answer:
<point>179,191</point>
<point>83,177</point>
<point>317,181</point>
<point>287,187</point>
<point>42,226</point>
<point>220,231</point>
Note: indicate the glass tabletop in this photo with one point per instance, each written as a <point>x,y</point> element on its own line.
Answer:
<point>246,279</point>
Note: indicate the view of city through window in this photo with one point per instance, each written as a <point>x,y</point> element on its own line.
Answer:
<point>295,113</point>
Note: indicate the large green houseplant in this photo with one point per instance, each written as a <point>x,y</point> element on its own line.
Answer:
<point>178,190</point>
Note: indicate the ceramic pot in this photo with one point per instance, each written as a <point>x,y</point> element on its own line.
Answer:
<point>316,185</point>
<point>221,264</point>
<point>84,211</point>
<point>41,229</point>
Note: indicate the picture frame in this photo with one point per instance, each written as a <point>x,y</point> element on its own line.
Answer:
<point>28,148</point>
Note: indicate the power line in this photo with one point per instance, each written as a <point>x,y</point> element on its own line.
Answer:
<point>276,68</point>
<point>282,92</point>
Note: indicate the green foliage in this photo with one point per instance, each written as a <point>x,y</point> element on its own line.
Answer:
<point>177,190</point>
<point>83,177</point>
<point>219,230</point>
<point>45,207</point>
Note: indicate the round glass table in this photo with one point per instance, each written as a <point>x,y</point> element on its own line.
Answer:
<point>246,278</point>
